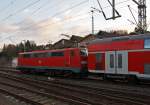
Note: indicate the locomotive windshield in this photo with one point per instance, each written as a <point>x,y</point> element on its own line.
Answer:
<point>83,52</point>
<point>147,43</point>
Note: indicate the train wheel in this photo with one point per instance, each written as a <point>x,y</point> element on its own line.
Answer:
<point>68,74</point>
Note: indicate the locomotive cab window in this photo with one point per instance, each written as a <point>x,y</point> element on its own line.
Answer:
<point>83,52</point>
<point>147,43</point>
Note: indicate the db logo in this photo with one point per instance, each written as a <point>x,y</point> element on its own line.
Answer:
<point>39,61</point>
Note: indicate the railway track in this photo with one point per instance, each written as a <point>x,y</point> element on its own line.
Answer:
<point>49,92</point>
<point>119,97</point>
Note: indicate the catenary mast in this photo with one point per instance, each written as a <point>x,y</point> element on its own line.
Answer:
<point>142,22</point>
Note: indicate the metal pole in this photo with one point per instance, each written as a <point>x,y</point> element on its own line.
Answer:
<point>113,10</point>
<point>24,45</point>
<point>92,22</point>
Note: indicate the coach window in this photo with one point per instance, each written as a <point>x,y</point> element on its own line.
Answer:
<point>119,60</point>
<point>111,61</point>
<point>147,43</point>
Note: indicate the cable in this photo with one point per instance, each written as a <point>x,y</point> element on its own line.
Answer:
<point>59,14</point>
<point>39,27</point>
<point>35,11</point>
<point>74,6</point>
<point>117,3</point>
<point>43,26</point>
<point>51,6</point>
<point>29,5</point>
<point>6,6</point>
<point>25,29</point>
<point>134,10</point>
<point>85,1</point>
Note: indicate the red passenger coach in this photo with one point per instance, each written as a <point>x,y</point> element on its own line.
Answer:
<point>70,60</point>
<point>121,57</point>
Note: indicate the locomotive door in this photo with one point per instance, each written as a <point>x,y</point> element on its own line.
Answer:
<point>116,62</point>
<point>72,57</point>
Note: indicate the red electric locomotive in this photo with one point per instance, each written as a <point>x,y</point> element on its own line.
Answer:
<point>69,60</point>
<point>120,57</point>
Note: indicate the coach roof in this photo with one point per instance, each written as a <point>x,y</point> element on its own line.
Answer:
<point>129,37</point>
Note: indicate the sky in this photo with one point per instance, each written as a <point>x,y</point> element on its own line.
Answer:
<point>43,21</point>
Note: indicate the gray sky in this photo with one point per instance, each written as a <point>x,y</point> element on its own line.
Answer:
<point>44,20</point>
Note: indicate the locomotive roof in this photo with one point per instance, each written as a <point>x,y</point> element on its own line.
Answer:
<point>42,51</point>
<point>121,38</point>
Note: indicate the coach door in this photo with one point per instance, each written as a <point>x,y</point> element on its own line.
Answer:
<point>110,62</point>
<point>122,62</point>
<point>116,62</point>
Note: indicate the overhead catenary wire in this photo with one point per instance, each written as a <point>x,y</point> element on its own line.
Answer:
<point>43,26</point>
<point>26,29</point>
<point>22,9</point>
<point>74,6</point>
<point>43,5</point>
<point>35,11</point>
<point>117,3</point>
<point>7,5</point>
<point>59,13</point>
<point>59,2</point>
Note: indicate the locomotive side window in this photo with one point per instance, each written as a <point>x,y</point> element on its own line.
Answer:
<point>111,61</point>
<point>35,55</point>
<point>57,54</point>
<point>147,43</point>
<point>27,55</point>
<point>39,55</point>
<point>48,54</point>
